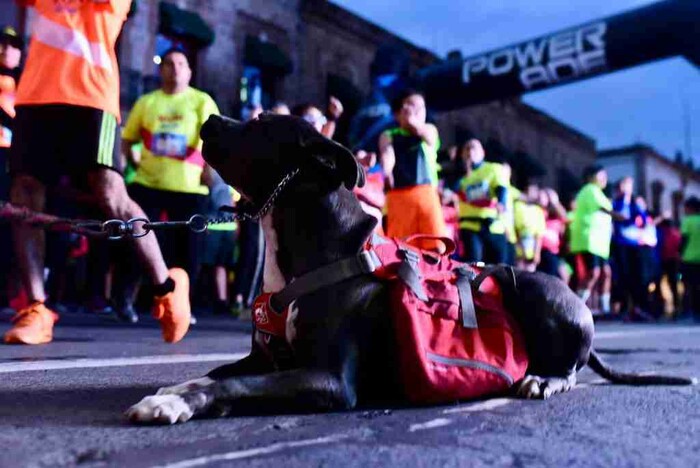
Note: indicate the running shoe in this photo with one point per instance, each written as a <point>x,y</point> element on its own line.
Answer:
<point>173,309</point>
<point>32,325</point>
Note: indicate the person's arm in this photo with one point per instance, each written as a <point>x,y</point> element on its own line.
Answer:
<point>387,159</point>
<point>605,205</point>
<point>127,153</point>
<point>207,176</point>
<point>334,112</point>
<point>131,133</point>
<point>662,217</point>
<point>538,250</point>
<point>501,184</point>
<point>559,209</point>
<point>425,131</point>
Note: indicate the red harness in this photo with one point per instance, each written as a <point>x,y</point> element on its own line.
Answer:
<point>455,338</point>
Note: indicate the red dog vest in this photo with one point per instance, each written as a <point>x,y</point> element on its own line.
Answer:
<point>455,339</point>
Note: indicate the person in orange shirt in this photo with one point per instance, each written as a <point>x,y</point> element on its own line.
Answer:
<point>67,124</point>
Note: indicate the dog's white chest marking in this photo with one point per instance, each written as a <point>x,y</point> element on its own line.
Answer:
<point>273,280</point>
<point>169,409</point>
<point>290,330</point>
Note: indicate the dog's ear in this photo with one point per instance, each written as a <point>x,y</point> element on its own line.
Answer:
<point>336,158</point>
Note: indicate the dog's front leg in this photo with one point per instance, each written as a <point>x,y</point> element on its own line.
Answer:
<point>294,390</point>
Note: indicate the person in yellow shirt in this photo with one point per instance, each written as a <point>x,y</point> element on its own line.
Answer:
<point>530,225</point>
<point>483,195</point>
<point>171,175</point>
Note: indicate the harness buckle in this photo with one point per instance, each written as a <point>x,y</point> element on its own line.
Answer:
<point>369,261</point>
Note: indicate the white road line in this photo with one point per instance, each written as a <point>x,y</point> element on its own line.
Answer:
<point>49,364</point>
<point>249,453</point>
<point>604,335</point>
<point>439,422</point>
<point>480,406</point>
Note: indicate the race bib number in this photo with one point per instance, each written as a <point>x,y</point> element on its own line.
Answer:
<point>171,145</point>
<point>478,194</point>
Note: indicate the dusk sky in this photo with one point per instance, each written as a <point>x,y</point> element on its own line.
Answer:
<point>643,104</point>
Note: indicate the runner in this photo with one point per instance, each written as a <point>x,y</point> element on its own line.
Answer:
<point>484,195</point>
<point>690,251</point>
<point>408,156</point>
<point>530,225</point>
<point>171,174</point>
<point>591,232</point>
<point>551,261</point>
<point>67,123</point>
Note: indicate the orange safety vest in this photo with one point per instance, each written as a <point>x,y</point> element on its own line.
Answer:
<point>71,55</point>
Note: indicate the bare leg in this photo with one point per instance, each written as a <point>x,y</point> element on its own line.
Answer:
<point>110,191</point>
<point>30,243</point>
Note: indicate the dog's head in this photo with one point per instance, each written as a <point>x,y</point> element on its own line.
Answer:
<point>254,157</point>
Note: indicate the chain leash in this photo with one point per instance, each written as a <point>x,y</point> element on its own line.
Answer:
<point>135,228</point>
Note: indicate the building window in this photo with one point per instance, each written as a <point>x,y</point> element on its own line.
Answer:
<point>258,87</point>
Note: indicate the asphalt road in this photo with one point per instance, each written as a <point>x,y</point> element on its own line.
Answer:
<point>61,405</point>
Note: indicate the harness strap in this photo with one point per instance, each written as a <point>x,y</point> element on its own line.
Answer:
<point>466,298</point>
<point>409,273</point>
<point>490,270</point>
<point>364,263</point>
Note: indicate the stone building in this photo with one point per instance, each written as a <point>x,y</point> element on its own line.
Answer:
<point>662,182</point>
<point>302,51</point>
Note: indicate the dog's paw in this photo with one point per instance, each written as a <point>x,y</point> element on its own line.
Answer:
<point>185,386</point>
<point>535,387</point>
<point>530,387</point>
<point>160,409</point>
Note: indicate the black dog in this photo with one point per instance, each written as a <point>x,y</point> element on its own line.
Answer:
<point>339,349</point>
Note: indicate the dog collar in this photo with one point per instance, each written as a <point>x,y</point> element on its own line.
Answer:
<point>241,214</point>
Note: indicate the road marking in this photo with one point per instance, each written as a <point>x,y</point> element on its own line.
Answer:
<point>57,364</point>
<point>439,422</point>
<point>648,332</point>
<point>480,406</point>
<point>249,453</point>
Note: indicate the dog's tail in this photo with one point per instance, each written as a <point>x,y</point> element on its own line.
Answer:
<point>601,368</point>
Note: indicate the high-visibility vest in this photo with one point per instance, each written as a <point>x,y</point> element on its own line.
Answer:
<point>71,55</point>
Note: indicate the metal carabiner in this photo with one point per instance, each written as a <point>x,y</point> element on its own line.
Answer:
<point>198,224</point>
<point>131,223</point>
<point>115,229</point>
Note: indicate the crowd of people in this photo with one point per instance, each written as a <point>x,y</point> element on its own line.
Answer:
<point>68,152</point>
<point>625,261</point>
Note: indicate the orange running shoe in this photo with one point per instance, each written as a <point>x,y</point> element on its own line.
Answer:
<point>33,325</point>
<point>173,309</point>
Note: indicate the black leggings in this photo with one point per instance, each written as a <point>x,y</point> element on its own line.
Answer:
<point>180,247</point>
<point>549,263</point>
<point>483,246</point>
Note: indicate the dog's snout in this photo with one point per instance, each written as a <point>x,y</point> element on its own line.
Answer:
<point>216,124</point>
